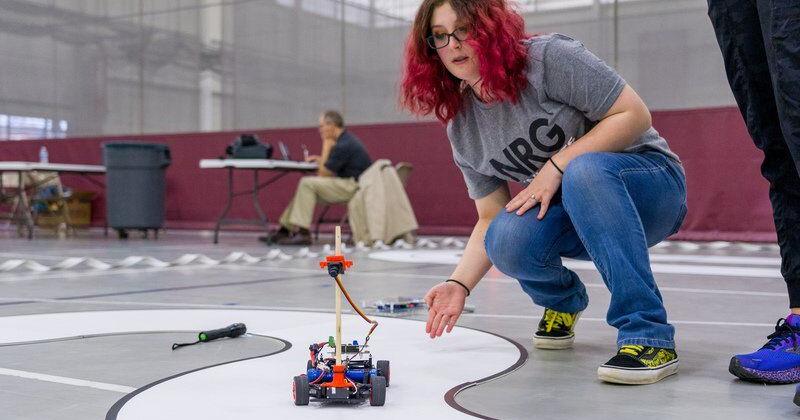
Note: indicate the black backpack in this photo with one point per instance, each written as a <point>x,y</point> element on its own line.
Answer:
<point>248,146</point>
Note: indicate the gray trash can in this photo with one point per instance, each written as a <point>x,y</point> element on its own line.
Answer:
<point>135,185</point>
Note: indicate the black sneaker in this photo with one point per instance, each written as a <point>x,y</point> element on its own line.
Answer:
<point>275,236</point>
<point>639,365</point>
<point>301,237</point>
<point>556,330</point>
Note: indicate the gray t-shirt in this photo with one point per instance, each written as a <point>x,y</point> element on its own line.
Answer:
<point>569,90</point>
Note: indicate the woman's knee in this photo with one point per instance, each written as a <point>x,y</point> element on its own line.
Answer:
<point>583,172</point>
<point>588,179</point>
<point>497,239</point>
<point>509,243</point>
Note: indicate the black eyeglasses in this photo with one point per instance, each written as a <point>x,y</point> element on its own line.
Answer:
<point>439,41</point>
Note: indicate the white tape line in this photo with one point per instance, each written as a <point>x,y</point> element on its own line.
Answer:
<point>150,262</point>
<point>306,253</point>
<point>83,274</point>
<point>67,381</point>
<point>244,257</point>
<point>452,242</point>
<point>670,289</point>
<point>402,244</point>
<point>427,243</point>
<point>30,265</point>
<point>71,263</point>
<point>688,246</point>
<point>717,259</point>
<point>238,257</point>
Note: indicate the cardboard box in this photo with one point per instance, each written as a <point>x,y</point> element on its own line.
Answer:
<point>79,206</point>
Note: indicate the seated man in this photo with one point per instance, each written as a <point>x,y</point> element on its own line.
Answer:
<point>343,159</point>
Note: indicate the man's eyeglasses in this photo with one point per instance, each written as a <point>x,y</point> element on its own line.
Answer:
<point>438,41</point>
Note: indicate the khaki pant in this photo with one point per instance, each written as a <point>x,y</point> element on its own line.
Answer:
<point>328,190</point>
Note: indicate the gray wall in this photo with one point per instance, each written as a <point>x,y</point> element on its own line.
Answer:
<point>131,66</point>
<point>666,49</point>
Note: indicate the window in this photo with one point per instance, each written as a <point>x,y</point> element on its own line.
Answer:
<point>392,13</point>
<point>16,127</point>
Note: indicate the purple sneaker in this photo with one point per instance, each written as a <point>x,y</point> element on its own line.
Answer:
<point>778,361</point>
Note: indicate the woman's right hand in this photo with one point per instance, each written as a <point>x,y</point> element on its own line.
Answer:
<point>445,303</point>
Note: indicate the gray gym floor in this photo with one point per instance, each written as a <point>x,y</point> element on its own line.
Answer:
<point>721,298</point>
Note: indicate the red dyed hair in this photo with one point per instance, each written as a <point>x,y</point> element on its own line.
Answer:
<point>495,34</point>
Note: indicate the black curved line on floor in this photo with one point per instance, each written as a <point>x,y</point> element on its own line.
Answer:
<point>450,396</point>
<point>161,289</point>
<point>115,409</point>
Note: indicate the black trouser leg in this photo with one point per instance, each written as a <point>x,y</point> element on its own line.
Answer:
<point>761,49</point>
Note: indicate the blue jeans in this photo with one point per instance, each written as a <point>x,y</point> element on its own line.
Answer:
<point>612,207</point>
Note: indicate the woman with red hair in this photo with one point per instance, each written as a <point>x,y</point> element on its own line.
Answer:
<point>545,112</point>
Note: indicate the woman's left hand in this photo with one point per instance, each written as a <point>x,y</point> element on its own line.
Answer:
<point>540,191</point>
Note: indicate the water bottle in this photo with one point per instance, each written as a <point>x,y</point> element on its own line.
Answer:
<point>43,157</point>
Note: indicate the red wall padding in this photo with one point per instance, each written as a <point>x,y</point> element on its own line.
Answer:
<point>727,196</point>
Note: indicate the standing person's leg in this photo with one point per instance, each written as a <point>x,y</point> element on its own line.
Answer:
<point>300,212</point>
<point>780,25</point>
<point>781,21</point>
<point>620,204</point>
<point>748,56</point>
